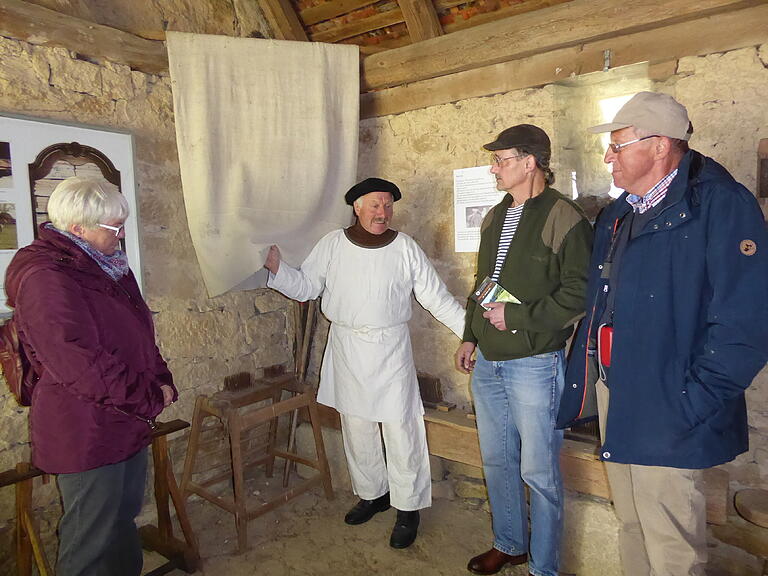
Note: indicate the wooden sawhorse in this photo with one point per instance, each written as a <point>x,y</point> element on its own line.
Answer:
<point>28,545</point>
<point>183,555</point>
<point>180,554</point>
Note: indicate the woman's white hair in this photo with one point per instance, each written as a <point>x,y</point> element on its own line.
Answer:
<point>85,202</point>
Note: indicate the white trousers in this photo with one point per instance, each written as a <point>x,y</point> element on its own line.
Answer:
<point>405,474</point>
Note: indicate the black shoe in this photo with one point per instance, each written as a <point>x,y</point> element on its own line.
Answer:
<point>404,532</point>
<point>367,509</point>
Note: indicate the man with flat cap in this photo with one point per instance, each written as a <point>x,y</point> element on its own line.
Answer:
<point>535,243</point>
<point>677,320</point>
<point>366,275</point>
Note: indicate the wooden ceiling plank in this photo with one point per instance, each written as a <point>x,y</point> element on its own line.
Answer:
<point>421,19</point>
<point>505,12</point>
<point>361,26</point>
<point>386,44</point>
<point>443,5</point>
<point>711,34</point>
<point>283,20</point>
<point>331,9</point>
<point>531,33</point>
<point>41,26</point>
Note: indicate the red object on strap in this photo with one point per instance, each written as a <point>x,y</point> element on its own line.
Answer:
<point>604,344</point>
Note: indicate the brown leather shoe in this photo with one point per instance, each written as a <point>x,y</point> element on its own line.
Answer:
<point>494,560</point>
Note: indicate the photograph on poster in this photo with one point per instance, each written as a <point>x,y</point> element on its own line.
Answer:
<point>8,238</point>
<point>475,214</point>
<point>6,172</point>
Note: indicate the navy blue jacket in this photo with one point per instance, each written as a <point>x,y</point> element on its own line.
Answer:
<point>690,324</point>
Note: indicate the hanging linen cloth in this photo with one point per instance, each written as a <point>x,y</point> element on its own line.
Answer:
<point>267,134</point>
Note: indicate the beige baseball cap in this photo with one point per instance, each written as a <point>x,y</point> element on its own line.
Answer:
<point>653,112</point>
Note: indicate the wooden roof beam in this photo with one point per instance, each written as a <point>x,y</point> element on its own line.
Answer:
<point>41,26</point>
<point>283,20</point>
<point>531,33</point>
<point>421,19</point>
<point>719,33</point>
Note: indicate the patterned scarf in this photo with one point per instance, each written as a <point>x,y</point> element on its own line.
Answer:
<point>116,265</point>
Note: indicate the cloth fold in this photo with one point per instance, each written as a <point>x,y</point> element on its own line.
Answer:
<point>267,134</point>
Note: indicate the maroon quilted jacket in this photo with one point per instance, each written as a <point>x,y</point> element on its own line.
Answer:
<point>95,340</point>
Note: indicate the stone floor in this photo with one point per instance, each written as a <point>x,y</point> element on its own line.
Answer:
<point>307,536</point>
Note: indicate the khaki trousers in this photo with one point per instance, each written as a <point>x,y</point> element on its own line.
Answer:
<point>661,513</point>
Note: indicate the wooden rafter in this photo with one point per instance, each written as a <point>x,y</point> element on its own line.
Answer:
<point>706,35</point>
<point>41,26</point>
<point>283,20</point>
<point>532,33</point>
<point>421,19</point>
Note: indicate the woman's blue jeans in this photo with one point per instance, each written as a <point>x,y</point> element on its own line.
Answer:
<point>97,533</point>
<point>516,402</point>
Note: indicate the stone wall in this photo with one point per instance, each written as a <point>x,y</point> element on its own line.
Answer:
<point>725,95</point>
<point>204,339</point>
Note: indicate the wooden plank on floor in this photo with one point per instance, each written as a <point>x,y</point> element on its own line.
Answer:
<point>453,436</point>
<point>582,469</point>
<point>560,26</point>
<point>716,482</point>
<point>745,28</point>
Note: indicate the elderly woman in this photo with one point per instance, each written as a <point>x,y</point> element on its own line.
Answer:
<point>102,381</point>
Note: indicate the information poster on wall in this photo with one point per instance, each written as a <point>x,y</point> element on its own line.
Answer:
<point>474,194</point>
<point>27,143</point>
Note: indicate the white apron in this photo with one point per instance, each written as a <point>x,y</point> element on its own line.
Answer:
<point>368,368</point>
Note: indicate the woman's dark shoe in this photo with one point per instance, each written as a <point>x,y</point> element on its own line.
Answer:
<point>364,510</point>
<point>494,560</point>
<point>406,527</point>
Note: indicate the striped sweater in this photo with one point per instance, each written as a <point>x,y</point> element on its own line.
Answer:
<point>545,268</point>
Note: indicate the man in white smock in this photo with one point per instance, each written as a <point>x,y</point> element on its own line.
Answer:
<point>366,274</point>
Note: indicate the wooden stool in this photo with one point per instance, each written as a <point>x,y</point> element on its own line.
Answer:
<point>752,505</point>
<point>230,407</point>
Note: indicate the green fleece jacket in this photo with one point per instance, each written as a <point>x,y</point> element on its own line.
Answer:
<point>545,268</point>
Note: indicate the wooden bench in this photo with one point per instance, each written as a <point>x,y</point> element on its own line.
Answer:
<point>453,436</point>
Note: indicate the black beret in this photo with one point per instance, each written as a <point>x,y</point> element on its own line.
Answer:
<point>372,185</point>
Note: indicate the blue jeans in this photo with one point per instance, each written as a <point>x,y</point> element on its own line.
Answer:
<point>516,403</point>
<point>97,533</point>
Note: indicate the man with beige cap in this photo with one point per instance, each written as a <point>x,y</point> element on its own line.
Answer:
<point>676,328</point>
